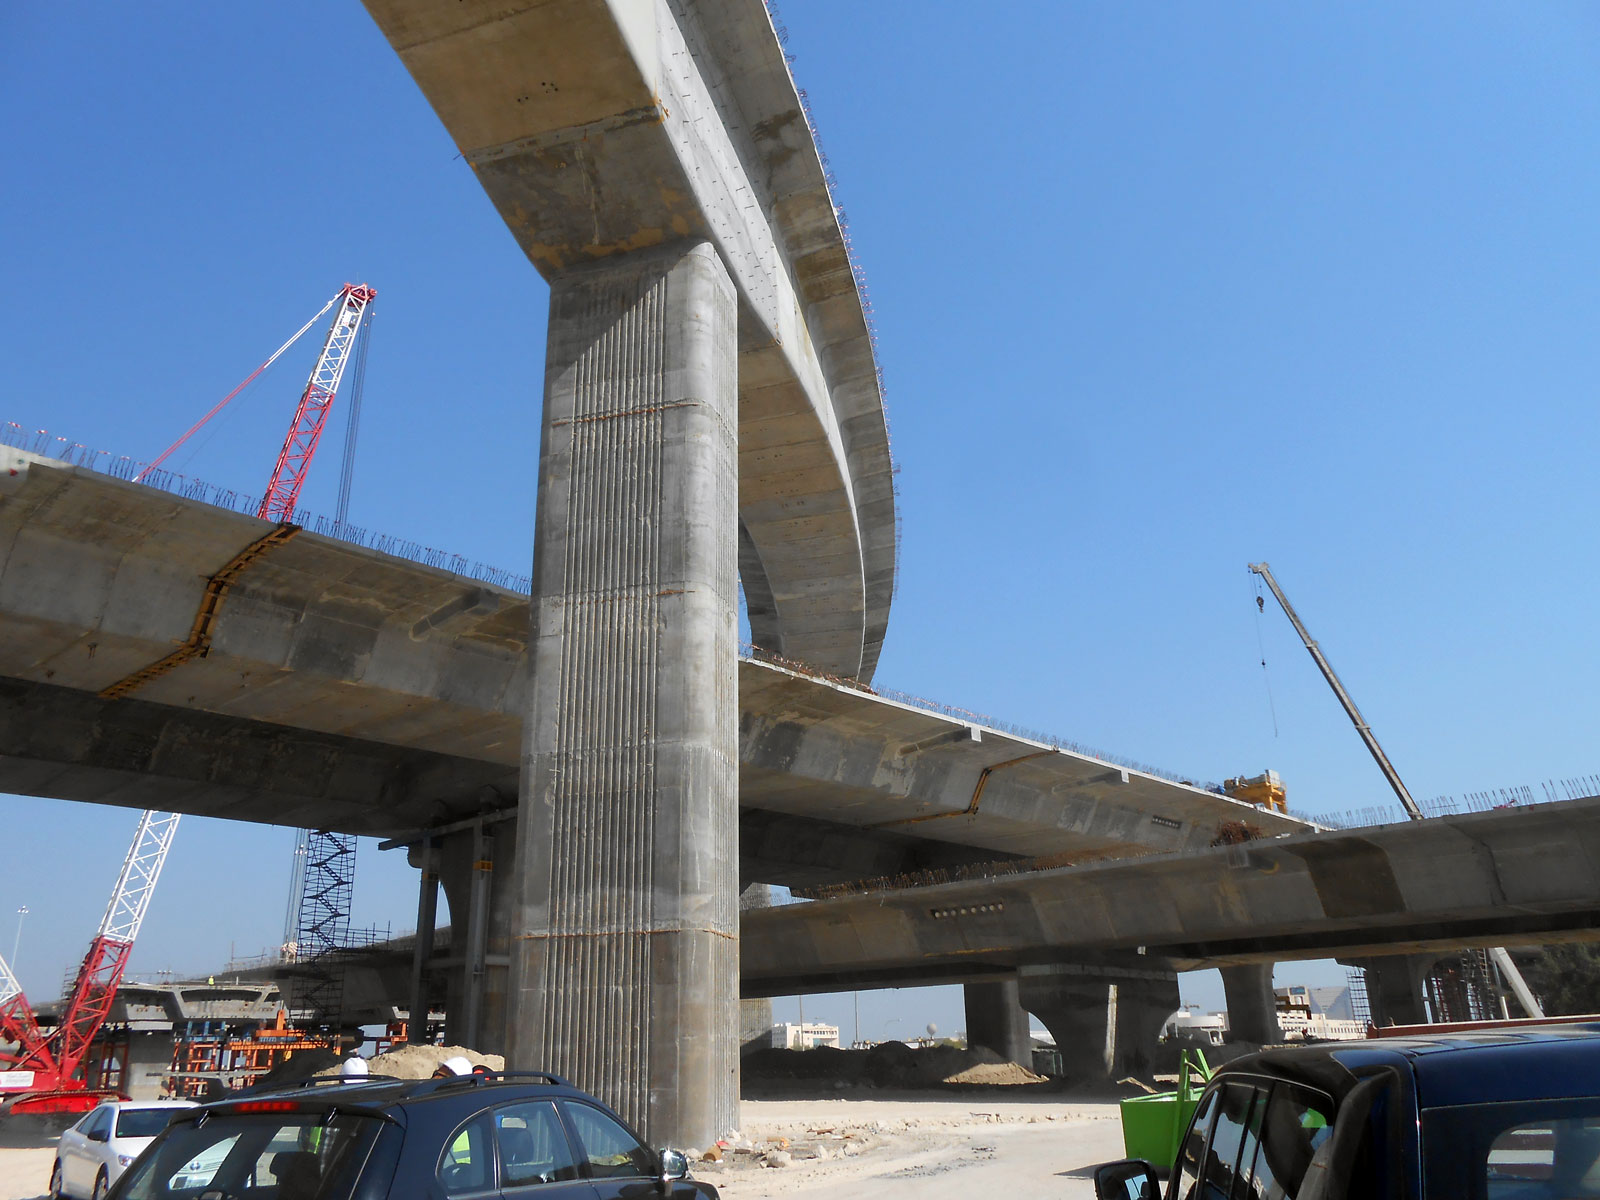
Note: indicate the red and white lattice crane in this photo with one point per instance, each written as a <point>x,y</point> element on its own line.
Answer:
<point>354,302</point>
<point>45,1072</point>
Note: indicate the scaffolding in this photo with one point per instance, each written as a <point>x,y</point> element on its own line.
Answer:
<point>317,925</point>
<point>208,1056</point>
<point>1464,988</point>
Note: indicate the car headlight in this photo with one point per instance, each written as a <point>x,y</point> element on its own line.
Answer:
<point>124,1159</point>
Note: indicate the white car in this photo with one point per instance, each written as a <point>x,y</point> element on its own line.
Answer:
<point>94,1152</point>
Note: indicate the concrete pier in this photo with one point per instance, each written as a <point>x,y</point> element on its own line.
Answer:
<point>1106,1019</point>
<point>1252,1006</point>
<point>1394,987</point>
<point>997,1021</point>
<point>625,954</point>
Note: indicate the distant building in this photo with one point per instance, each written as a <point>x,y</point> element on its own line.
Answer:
<point>1303,1014</point>
<point>790,1036</point>
<point>1190,1025</point>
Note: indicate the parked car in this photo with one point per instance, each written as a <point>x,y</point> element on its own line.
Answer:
<point>472,1137</point>
<point>1495,1114</point>
<point>92,1154</point>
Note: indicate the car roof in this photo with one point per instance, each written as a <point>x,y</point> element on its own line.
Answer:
<point>125,1105</point>
<point>1457,1067</point>
<point>378,1091</point>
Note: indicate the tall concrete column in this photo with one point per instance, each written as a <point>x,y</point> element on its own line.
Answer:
<point>1252,1006</point>
<point>997,1021</point>
<point>1106,1019</point>
<point>625,959</point>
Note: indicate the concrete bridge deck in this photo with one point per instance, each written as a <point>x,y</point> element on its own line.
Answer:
<point>1506,877</point>
<point>352,690</point>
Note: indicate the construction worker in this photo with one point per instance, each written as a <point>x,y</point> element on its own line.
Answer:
<point>455,1065</point>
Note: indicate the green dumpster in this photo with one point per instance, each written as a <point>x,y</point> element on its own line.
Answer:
<point>1152,1126</point>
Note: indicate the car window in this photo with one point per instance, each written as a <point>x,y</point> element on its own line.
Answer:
<point>1192,1152</point>
<point>1287,1130</point>
<point>1231,1140</point>
<point>466,1164</point>
<point>99,1120</point>
<point>143,1122</point>
<point>533,1145</point>
<point>608,1148</point>
<point>303,1156</point>
<point>1530,1150</point>
<point>1550,1158</point>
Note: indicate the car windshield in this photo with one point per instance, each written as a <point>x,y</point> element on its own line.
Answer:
<point>1543,1150</point>
<point>263,1156</point>
<point>144,1122</point>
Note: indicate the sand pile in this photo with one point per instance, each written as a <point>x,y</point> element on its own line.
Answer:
<point>996,1075</point>
<point>420,1062</point>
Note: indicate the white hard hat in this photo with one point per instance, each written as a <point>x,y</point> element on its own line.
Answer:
<point>354,1065</point>
<point>457,1064</point>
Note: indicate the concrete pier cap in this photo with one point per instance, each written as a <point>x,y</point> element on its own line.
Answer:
<point>604,127</point>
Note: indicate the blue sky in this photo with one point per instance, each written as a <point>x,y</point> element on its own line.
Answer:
<point>1160,290</point>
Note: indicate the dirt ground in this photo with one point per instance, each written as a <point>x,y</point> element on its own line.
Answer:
<point>928,1145</point>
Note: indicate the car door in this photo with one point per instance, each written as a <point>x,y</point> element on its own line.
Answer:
<point>620,1166</point>
<point>69,1150</point>
<point>79,1169</point>
<point>1251,1139</point>
<point>536,1156</point>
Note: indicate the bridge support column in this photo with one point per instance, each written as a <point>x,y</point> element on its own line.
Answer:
<point>1395,987</point>
<point>997,1021</point>
<point>425,858</point>
<point>625,960</point>
<point>1252,1006</point>
<point>1106,1019</point>
<point>755,1016</point>
<point>475,871</point>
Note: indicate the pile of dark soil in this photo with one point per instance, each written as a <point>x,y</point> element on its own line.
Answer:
<point>886,1065</point>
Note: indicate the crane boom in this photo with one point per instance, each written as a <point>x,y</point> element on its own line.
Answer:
<point>305,431</point>
<point>52,1062</point>
<point>1502,960</point>
<point>1360,722</point>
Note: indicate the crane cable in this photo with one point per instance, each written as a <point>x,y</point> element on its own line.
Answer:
<point>352,422</point>
<point>1261,607</point>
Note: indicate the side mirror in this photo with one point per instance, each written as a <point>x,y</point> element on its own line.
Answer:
<point>99,1135</point>
<point>674,1166</point>
<point>1131,1179</point>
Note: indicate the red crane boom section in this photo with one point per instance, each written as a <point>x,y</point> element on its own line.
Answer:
<point>305,431</point>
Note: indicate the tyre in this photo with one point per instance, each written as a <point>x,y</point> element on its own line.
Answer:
<point>100,1186</point>
<point>55,1182</point>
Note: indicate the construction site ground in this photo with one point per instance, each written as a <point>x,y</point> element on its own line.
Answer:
<point>930,1145</point>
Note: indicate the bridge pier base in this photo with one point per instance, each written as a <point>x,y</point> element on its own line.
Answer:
<point>997,1021</point>
<point>1106,1019</point>
<point>625,944</point>
<point>1395,987</point>
<point>1252,1006</point>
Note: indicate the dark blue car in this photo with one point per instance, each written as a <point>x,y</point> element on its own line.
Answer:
<point>1494,1114</point>
<point>476,1137</point>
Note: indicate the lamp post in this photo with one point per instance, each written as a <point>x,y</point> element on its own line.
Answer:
<point>16,942</point>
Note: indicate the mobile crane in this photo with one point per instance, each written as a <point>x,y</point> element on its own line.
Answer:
<point>1502,960</point>
<point>45,1072</point>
